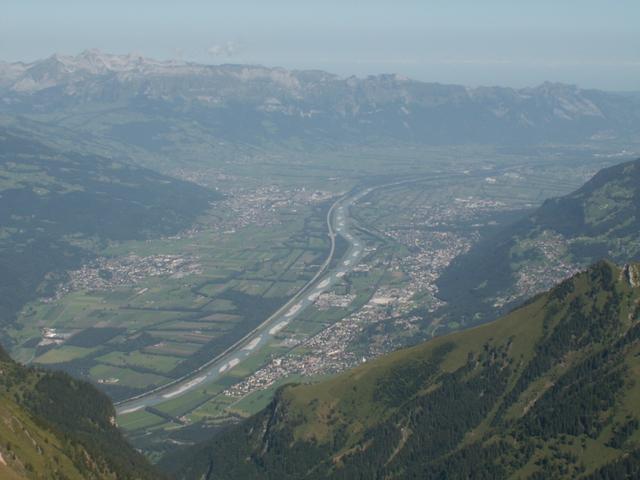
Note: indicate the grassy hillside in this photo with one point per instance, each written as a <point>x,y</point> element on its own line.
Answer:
<point>600,220</point>
<point>52,426</point>
<point>548,391</point>
<point>57,206</point>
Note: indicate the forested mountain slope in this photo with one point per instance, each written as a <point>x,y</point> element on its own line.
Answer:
<point>55,205</point>
<point>55,427</point>
<point>564,235</point>
<point>549,391</point>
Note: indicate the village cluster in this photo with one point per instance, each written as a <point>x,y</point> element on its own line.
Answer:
<point>111,273</point>
<point>432,242</point>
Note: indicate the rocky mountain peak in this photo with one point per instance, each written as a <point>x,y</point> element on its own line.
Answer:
<point>631,273</point>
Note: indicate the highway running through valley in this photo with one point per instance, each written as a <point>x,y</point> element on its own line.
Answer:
<point>338,223</point>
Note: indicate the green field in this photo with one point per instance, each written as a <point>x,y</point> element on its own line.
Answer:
<point>163,320</point>
<point>140,334</point>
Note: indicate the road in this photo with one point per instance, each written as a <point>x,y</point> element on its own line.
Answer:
<point>327,275</point>
<point>323,280</point>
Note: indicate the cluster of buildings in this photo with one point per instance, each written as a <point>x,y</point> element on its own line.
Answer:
<point>433,240</point>
<point>331,350</point>
<point>431,252</point>
<point>552,265</point>
<point>111,273</point>
<point>329,300</point>
<point>390,313</point>
<point>326,352</point>
<point>261,206</point>
<point>51,336</point>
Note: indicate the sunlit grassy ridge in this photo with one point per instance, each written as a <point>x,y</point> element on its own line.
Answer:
<point>54,427</point>
<point>548,391</point>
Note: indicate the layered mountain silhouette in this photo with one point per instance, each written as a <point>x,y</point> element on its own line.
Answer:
<point>256,104</point>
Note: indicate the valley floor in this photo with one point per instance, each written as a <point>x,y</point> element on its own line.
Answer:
<point>147,313</point>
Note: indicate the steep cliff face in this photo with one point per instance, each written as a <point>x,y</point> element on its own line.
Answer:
<point>632,275</point>
<point>54,427</point>
<point>549,391</point>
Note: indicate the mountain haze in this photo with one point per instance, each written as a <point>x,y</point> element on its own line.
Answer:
<point>255,104</point>
<point>97,150</point>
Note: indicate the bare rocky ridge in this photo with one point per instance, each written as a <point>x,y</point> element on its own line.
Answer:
<point>315,104</point>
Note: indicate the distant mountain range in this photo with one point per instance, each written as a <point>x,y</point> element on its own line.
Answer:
<point>549,391</point>
<point>566,234</point>
<point>258,104</point>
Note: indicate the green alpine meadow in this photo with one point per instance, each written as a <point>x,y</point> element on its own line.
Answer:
<point>548,391</point>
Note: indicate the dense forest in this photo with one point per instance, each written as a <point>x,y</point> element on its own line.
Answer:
<point>53,426</point>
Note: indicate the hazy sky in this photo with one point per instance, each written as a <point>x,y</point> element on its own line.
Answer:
<point>592,43</point>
